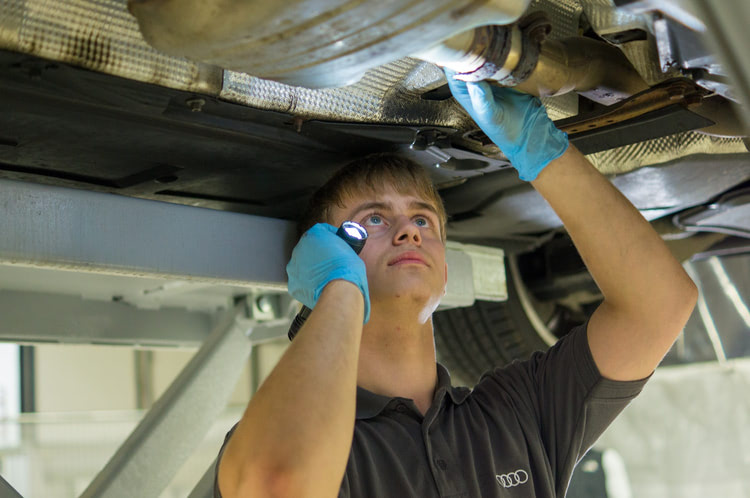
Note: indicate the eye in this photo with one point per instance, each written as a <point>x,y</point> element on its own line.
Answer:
<point>373,220</point>
<point>421,221</point>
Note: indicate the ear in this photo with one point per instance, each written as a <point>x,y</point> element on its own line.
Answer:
<point>445,282</point>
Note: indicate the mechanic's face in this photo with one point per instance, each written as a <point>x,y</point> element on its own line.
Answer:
<point>404,253</point>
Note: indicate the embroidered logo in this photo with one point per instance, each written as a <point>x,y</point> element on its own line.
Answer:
<point>512,479</point>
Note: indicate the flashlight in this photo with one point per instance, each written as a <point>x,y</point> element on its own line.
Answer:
<point>353,234</point>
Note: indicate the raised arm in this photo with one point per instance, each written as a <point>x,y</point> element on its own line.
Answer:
<point>648,297</point>
<point>295,436</point>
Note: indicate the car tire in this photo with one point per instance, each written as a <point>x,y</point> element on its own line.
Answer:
<point>472,340</point>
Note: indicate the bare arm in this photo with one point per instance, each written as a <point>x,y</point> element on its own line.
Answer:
<point>648,297</point>
<point>295,436</point>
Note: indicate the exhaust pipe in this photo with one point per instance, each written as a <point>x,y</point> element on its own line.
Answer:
<point>310,43</point>
<point>518,56</point>
<point>327,43</point>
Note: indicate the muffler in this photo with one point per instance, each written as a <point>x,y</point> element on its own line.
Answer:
<point>311,43</point>
<point>328,43</point>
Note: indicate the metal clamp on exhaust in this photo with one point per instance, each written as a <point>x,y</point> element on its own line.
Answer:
<point>506,54</point>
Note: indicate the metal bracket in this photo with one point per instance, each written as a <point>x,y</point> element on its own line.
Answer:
<point>730,214</point>
<point>205,486</point>
<point>70,319</point>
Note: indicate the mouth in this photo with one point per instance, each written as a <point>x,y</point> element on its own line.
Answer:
<point>408,258</point>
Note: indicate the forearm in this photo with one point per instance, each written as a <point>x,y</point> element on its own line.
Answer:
<point>295,436</point>
<point>640,279</point>
<point>616,242</point>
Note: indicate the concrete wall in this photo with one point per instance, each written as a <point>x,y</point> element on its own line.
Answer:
<point>85,377</point>
<point>82,378</point>
<point>86,398</point>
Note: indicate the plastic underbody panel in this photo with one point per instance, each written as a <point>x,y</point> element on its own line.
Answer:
<point>73,127</point>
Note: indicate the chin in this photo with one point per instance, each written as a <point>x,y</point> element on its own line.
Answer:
<point>424,300</point>
<point>418,291</point>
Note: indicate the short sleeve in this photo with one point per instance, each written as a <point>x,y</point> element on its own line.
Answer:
<point>217,493</point>
<point>561,395</point>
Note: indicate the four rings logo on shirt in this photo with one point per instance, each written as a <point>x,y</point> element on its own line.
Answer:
<point>512,479</point>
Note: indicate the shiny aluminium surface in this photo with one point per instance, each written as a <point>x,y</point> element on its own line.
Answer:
<point>103,36</point>
<point>314,43</point>
<point>100,36</point>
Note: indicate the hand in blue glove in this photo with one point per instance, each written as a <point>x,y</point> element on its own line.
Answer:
<point>516,122</point>
<point>320,257</point>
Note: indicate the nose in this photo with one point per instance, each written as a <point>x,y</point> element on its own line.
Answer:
<point>406,232</point>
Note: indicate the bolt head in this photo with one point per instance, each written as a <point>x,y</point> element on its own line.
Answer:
<point>195,104</point>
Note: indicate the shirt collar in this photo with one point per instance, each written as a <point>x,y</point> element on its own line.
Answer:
<point>370,404</point>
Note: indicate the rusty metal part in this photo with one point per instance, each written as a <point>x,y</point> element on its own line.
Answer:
<point>506,54</point>
<point>592,68</point>
<point>670,98</point>
<point>518,56</point>
<point>497,50</point>
<point>535,28</point>
<point>680,91</point>
<point>481,54</point>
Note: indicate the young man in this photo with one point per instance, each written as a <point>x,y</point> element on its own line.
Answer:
<point>357,405</point>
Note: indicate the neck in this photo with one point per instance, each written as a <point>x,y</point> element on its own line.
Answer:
<point>397,358</point>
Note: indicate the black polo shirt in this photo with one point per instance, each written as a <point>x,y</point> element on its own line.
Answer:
<point>518,433</point>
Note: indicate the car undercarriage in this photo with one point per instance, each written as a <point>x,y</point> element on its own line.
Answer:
<point>243,109</point>
<point>188,104</point>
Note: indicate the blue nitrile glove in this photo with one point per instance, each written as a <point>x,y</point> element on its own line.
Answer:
<point>515,121</point>
<point>320,257</point>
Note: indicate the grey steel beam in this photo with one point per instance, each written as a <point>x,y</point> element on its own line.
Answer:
<point>146,462</point>
<point>705,315</point>
<point>8,491</point>
<point>729,288</point>
<point>71,229</point>
<point>58,227</point>
<point>29,317</point>
<point>205,487</point>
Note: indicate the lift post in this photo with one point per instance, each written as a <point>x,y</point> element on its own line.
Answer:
<point>153,453</point>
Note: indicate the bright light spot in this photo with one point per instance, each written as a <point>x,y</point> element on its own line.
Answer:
<point>353,232</point>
